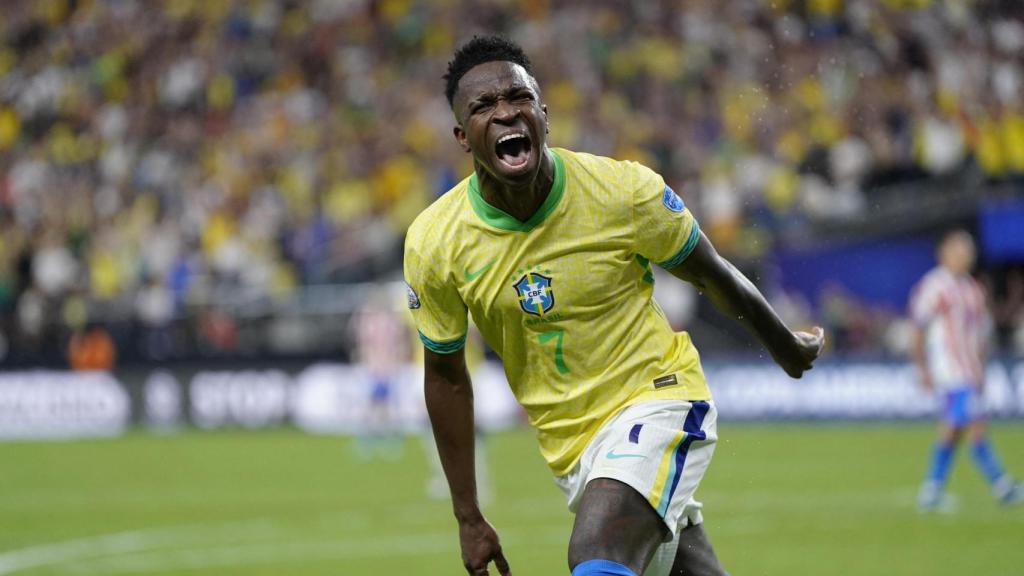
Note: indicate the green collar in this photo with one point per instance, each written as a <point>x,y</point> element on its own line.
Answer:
<point>500,219</point>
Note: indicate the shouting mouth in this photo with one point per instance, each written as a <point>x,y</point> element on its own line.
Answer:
<point>513,150</point>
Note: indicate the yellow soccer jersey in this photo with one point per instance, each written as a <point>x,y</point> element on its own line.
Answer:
<point>565,298</point>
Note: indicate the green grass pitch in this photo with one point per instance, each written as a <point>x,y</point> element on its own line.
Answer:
<point>779,500</point>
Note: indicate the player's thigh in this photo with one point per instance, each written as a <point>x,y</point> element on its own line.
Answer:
<point>956,415</point>
<point>963,407</point>
<point>614,522</point>
<point>654,454</point>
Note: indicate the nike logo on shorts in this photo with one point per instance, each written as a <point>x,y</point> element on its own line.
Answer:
<point>611,455</point>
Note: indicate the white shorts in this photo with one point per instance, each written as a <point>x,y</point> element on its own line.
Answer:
<point>661,449</point>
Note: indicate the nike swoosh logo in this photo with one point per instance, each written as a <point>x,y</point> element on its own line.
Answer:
<point>611,455</point>
<point>470,276</point>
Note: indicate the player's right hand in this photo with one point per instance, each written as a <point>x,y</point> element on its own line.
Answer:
<point>808,348</point>
<point>480,546</point>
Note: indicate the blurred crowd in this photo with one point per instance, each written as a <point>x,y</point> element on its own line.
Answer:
<point>179,157</point>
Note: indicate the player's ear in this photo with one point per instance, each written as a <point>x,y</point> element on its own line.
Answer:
<point>547,123</point>
<point>460,137</point>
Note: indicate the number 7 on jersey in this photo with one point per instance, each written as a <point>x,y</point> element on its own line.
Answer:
<point>558,335</point>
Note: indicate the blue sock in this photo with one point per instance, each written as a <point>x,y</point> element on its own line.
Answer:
<point>601,568</point>
<point>942,458</point>
<point>986,461</point>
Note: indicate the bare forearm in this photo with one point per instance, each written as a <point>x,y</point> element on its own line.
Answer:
<point>736,296</point>
<point>449,399</point>
<point>732,293</point>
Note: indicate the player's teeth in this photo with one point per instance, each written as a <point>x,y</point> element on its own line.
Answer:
<point>508,137</point>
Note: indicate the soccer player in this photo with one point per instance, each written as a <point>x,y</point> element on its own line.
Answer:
<point>378,329</point>
<point>952,329</point>
<point>551,252</point>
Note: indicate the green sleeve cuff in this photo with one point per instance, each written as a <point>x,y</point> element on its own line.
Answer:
<point>685,251</point>
<point>446,347</point>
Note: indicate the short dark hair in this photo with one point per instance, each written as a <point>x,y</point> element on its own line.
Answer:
<point>479,50</point>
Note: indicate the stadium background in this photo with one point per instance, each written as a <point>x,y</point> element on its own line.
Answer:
<point>202,207</point>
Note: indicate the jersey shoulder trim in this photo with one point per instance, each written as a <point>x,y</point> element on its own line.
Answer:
<point>445,346</point>
<point>498,218</point>
<point>688,247</point>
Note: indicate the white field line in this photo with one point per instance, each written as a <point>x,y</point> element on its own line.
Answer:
<point>845,500</point>
<point>191,539</point>
<point>196,547</point>
<point>378,546</point>
<point>17,560</point>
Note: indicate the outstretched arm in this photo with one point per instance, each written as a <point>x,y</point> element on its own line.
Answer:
<point>449,398</point>
<point>736,296</point>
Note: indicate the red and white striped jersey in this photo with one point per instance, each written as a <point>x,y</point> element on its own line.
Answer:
<point>380,339</point>
<point>951,310</point>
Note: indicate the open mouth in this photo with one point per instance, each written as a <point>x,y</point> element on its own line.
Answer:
<point>513,150</point>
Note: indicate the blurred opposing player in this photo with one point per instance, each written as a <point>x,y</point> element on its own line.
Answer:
<point>550,251</point>
<point>953,327</point>
<point>381,351</point>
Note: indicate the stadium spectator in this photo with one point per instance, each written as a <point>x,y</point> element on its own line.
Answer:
<point>92,349</point>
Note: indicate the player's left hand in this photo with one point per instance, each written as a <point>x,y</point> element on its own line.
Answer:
<point>808,348</point>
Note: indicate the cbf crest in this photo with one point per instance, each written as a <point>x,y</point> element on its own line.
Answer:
<point>535,294</point>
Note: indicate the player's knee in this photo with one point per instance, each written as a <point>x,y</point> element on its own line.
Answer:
<point>614,523</point>
<point>579,555</point>
<point>601,568</point>
<point>952,434</point>
<point>585,558</point>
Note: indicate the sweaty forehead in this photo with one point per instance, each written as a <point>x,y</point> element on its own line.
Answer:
<point>492,77</point>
